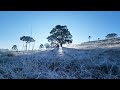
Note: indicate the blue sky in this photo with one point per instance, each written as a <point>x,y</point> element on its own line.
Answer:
<point>81,24</point>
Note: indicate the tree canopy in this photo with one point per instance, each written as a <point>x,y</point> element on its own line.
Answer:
<point>27,39</point>
<point>111,35</point>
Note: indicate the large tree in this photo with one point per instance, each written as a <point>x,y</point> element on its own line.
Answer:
<point>60,35</point>
<point>111,35</point>
<point>27,39</point>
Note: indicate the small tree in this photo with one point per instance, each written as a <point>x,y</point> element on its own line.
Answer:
<point>14,47</point>
<point>41,46</point>
<point>111,35</point>
<point>60,35</point>
<point>47,45</point>
<point>89,37</point>
<point>27,39</point>
<point>54,44</point>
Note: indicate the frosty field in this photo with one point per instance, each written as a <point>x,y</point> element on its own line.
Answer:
<point>63,63</point>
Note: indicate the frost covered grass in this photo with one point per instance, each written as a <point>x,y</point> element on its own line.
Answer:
<point>63,63</point>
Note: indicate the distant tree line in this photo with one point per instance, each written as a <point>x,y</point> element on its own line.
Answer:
<point>108,36</point>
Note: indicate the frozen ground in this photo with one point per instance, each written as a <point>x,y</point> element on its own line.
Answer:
<point>73,62</point>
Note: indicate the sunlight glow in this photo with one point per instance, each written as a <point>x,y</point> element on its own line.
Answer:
<point>60,51</point>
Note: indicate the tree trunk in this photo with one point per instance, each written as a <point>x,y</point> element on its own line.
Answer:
<point>33,46</point>
<point>29,47</point>
<point>26,45</point>
<point>23,46</point>
<point>89,39</point>
<point>61,44</point>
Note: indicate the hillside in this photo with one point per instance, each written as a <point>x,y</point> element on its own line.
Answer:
<point>104,42</point>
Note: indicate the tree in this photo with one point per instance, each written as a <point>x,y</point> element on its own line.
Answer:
<point>27,39</point>
<point>111,35</point>
<point>47,45</point>
<point>53,44</point>
<point>60,35</point>
<point>89,37</point>
<point>14,47</point>
<point>41,46</point>
<point>98,38</point>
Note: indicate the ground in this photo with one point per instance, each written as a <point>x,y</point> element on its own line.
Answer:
<point>65,63</point>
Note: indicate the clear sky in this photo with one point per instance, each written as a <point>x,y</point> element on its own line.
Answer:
<point>81,24</point>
